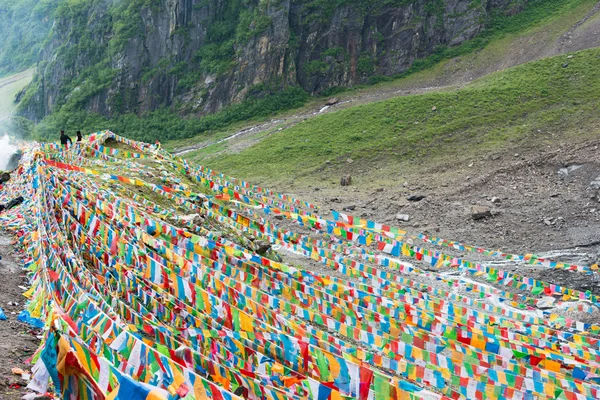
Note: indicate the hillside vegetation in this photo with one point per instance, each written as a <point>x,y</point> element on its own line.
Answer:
<point>260,102</point>
<point>9,87</point>
<point>547,100</point>
<point>24,25</point>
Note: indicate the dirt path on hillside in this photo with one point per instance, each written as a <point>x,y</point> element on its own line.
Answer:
<point>18,341</point>
<point>15,78</point>
<point>456,73</point>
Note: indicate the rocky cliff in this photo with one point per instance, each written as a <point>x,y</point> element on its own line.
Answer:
<point>197,56</point>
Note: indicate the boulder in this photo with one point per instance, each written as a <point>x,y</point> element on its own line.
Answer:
<point>332,101</point>
<point>480,212</point>
<point>346,180</point>
<point>416,197</point>
<point>402,217</point>
<point>13,162</point>
<point>261,247</point>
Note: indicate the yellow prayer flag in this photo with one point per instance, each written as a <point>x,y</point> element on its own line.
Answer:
<point>551,365</point>
<point>246,322</point>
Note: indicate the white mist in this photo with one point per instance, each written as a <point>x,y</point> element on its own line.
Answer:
<point>6,150</point>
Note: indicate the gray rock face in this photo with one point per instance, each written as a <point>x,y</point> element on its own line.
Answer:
<point>480,212</point>
<point>403,217</point>
<point>158,65</point>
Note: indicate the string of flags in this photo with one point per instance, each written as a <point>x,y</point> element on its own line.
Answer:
<point>156,279</point>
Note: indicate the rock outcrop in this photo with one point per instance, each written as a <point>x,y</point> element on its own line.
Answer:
<point>198,56</point>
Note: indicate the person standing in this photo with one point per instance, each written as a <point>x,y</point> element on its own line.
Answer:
<point>64,139</point>
<point>79,137</point>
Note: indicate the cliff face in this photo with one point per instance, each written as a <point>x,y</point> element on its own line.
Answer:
<point>197,56</point>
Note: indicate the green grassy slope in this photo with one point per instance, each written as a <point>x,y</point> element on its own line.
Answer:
<point>9,87</point>
<point>525,105</point>
<point>532,35</point>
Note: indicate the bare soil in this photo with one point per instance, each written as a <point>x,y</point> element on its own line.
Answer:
<point>18,341</point>
<point>536,205</point>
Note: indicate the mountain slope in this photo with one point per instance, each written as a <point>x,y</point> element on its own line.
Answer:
<point>574,28</point>
<point>197,56</point>
<point>9,87</point>
<point>192,57</point>
<point>24,25</point>
<point>555,96</point>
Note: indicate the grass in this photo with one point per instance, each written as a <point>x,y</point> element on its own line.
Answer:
<point>9,87</point>
<point>165,124</point>
<point>544,33</point>
<point>168,125</point>
<point>543,23</point>
<point>527,104</point>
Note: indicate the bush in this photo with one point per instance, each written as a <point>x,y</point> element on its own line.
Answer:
<point>164,124</point>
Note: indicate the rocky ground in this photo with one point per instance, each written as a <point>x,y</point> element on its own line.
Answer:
<point>18,341</point>
<point>540,200</point>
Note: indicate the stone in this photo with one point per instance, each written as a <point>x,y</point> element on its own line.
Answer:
<point>480,212</point>
<point>349,161</point>
<point>261,247</point>
<point>546,302</point>
<point>350,208</point>
<point>495,200</point>
<point>567,170</point>
<point>565,65</point>
<point>13,162</point>
<point>402,217</point>
<point>416,197</point>
<point>346,180</point>
<point>595,184</point>
<point>332,101</point>
<point>158,36</point>
<point>433,108</point>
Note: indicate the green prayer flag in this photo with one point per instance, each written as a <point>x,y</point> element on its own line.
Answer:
<point>322,364</point>
<point>382,387</point>
<point>537,290</point>
<point>162,350</point>
<point>519,355</point>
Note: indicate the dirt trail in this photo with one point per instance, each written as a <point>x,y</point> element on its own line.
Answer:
<point>455,73</point>
<point>18,342</point>
<point>15,78</point>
